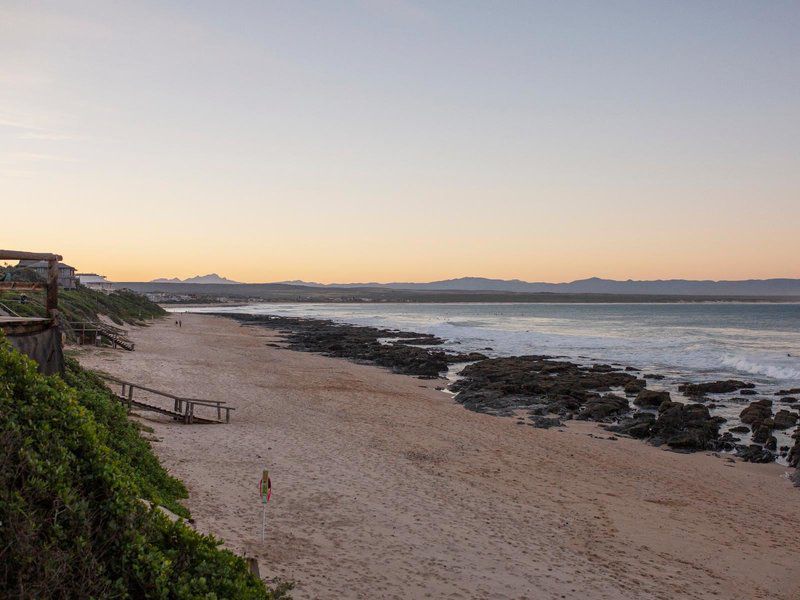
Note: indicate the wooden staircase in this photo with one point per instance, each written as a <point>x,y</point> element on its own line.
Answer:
<point>183,409</point>
<point>114,335</point>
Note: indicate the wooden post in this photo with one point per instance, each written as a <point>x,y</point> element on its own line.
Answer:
<point>130,397</point>
<point>219,412</point>
<point>52,289</point>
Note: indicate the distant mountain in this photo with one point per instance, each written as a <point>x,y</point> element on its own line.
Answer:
<point>210,278</point>
<point>595,285</point>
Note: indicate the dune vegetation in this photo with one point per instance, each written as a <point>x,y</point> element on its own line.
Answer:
<point>80,491</point>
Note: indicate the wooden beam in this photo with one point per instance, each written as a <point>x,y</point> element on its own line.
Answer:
<point>20,255</point>
<point>52,287</point>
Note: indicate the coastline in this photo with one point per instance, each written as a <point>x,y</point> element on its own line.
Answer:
<point>694,415</point>
<point>386,487</point>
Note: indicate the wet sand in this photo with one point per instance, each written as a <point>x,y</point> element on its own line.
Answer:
<point>383,487</point>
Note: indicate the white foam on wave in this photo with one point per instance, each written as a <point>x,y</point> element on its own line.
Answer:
<point>747,365</point>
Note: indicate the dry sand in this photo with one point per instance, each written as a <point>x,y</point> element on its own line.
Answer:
<point>386,488</point>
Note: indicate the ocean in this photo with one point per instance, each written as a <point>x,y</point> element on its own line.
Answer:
<point>754,341</point>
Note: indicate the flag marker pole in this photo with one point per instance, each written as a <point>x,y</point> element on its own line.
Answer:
<point>265,491</point>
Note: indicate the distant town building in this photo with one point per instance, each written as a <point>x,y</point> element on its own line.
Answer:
<point>167,297</point>
<point>66,274</point>
<point>93,281</point>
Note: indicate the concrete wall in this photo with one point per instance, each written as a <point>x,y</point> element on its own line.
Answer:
<point>43,347</point>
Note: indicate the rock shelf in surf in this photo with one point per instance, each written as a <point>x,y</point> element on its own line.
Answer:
<point>552,390</point>
<point>399,351</point>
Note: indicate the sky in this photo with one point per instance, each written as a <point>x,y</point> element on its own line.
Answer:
<point>401,140</point>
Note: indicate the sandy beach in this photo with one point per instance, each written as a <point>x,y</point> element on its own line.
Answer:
<point>383,487</point>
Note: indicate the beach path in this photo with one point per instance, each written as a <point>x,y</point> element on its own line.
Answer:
<point>384,487</point>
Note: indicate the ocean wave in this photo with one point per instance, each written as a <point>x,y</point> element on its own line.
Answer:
<point>747,365</point>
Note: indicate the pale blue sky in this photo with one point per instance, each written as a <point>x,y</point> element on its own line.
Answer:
<point>384,140</point>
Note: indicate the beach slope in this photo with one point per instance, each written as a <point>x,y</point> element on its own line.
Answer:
<point>384,487</point>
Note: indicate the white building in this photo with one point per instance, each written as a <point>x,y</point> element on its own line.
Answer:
<point>93,281</point>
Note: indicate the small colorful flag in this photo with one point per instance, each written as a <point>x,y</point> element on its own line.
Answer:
<point>265,487</point>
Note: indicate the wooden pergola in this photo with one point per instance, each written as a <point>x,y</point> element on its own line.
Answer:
<point>38,337</point>
<point>51,287</point>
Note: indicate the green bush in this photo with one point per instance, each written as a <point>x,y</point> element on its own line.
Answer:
<point>122,437</point>
<point>73,474</point>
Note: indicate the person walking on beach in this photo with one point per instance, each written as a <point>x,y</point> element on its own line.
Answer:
<point>180,323</point>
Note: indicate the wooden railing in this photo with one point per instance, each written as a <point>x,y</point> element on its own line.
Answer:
<point>183,408</point>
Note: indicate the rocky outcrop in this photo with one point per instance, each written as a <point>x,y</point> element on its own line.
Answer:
<point>714,387</point>
<point>604,408</point>
<point>402,354</point>
<point>651,398</point>
<point>685,427</point>
<point>756,412</point>
<point>535,381</point>
<point>785,419</point>
<point>793,458</point>
<point>754,453</point>
<point>638,425</point>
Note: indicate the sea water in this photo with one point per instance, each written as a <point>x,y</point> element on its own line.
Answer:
<point>759,342</point>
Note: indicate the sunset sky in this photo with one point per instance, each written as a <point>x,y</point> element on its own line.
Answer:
<point>386,140</point>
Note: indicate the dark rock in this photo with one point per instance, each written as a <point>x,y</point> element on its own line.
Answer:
<point>363,344</point>
<point>726,442</point>
<point>635,386</point>
<point>686,426</point>
<point>740,429</point>
<point>419,341</point>
<point>790,392</point>
<point>762,432</point>
<point>603,368</point>
<point>462,358</point>
<point>713,387</point>
<point>637,426</point>
<point>545,422</point>
<point>756,412</point>
<point>653,376</point>
<point>755,454</point>
<point>788,400</point>
<point>534,380</point>
<point>651,398</point>
<point>748,392</point>
<point>784,419</point>
<point>793,458</point>
<point>603,408</point>
<point>772,443</point>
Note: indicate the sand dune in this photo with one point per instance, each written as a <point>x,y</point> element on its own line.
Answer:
<point>385,488</point>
